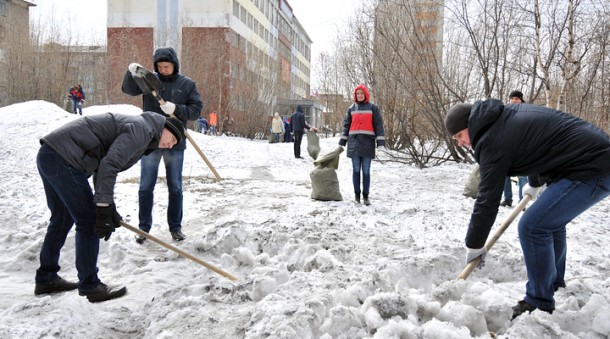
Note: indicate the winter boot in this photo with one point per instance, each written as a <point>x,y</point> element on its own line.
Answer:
<point>103,292</point>
<point>522,307</point>
<point>358,197</point>
<point>366,199</point>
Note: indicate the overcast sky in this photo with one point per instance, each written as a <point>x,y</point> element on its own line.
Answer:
<point>321,18</point>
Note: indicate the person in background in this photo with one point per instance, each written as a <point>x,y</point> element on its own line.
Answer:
<point>183,101</point>
<point>362,131</point>
<point>213,122</point>
<point>77,96</point>
<point>551,147</point>
<point>515,97</point>
<point>298,126</point>
<point>100,145</point>
<point>202,125</point>
<point>277,126</point>
<point>287,130</point>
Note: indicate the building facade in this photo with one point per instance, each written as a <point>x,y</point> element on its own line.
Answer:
<point>14,32</point>
<point>245,55</point>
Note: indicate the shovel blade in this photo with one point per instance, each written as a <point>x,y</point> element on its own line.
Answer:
<point>147,81</point>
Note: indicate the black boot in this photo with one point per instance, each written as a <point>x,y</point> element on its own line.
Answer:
<point>358,197</point>
<point>507,203</point>
<point>103,292</point>
<point>366,199</point>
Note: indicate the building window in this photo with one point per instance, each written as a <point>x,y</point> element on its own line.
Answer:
<point>236,9</point>
<point>3,8</point>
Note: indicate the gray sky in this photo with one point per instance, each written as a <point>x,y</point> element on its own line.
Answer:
<point>322,19</point>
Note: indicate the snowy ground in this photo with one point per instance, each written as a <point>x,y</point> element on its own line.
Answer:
<point>306,268</point>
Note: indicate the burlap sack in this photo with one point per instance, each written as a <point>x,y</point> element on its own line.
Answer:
<point>471,188</point>
<point>325,185</point>
<point>324,181</point>
<point>330,160</point>
<point>313,144</point>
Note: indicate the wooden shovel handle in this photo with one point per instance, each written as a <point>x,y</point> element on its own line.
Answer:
<point>491,241</point>
<point>179,251</point>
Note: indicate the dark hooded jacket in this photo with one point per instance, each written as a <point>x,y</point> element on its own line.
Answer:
<point>178,89</point>
<point>523,139</point>
<point>297,120</point>
<point>106,144</point>
<point>362,127</point>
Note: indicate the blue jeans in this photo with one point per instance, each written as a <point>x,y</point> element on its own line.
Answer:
<point>364,164</point>
<point>77,107</point>
<point>542,233</point>
<point>508,188</point>
<point>70,200</point>
<point>173,159</point>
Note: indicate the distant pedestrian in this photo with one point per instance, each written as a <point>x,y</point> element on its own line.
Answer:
<point>515,97</point>
<point>213,122</point>
<point>277,127</point>
<point>287,130</point>
<point>77,96</point>
<point>202,125</point>
<point>298,126</point>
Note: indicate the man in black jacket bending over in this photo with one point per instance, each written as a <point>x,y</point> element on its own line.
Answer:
<point>569,155</point>
<point>100,145</point>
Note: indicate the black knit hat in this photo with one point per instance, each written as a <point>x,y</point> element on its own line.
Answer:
<point>457,118</point>
<point>175,126</point>
<point>516,94</point>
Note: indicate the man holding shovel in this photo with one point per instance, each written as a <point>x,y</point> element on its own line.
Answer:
<point>181,99</point>
<point>100,145</point>
<point>569,155</point>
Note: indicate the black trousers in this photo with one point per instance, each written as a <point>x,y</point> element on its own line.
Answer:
<point>298,137</point>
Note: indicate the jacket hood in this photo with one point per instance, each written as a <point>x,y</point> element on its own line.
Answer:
<point>167,54</point>
<point>482,116</point>
<point>299,108</point>
<point>367,95</point>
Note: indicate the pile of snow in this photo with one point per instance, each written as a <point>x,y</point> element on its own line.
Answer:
<point>306,269</point>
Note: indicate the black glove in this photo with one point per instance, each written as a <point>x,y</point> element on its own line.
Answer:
<point>106,220</point>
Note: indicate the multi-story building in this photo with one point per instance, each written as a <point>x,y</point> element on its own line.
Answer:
<point>14,31</point>
<point>250,58</point>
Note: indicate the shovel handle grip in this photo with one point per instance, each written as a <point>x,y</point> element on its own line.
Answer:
<point>491,241</point>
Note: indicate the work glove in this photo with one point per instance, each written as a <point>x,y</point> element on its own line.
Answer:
<point>534,192</point>
<point>168,107</point>
<point>342,142</point>
<point>106,220</point>
<point>472,254</point>
<point>133,68</point>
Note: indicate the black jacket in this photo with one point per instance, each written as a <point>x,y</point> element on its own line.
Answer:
<point>297,121</point>
<point>178,89</point>
<point>106,144</point>
<point>523,139</point>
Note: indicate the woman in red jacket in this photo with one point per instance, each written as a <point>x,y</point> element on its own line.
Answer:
<point>362,131</point>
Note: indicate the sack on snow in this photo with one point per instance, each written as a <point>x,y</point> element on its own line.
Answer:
<point>471,188</point>
<point>313,144</point>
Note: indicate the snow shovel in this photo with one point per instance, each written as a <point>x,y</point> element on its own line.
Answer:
<point>179,251</point>
<point>490,242</point>
<point>150,84</point>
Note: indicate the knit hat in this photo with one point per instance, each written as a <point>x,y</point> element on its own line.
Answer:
<point>175,126</point>
<point>516,94</point>
<point>457,118</point>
